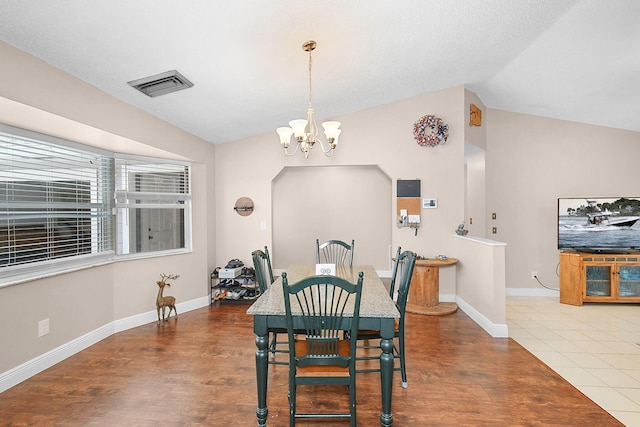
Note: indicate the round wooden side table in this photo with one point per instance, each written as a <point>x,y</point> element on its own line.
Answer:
<point>424,293</point>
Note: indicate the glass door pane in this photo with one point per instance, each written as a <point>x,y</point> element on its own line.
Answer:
<point>629,281</point>
<point>598,280</point>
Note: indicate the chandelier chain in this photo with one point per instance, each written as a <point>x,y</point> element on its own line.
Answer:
<point>310,87</point>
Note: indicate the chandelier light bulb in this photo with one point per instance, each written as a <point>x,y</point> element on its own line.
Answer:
<point>298,127</point>
<point>285,136</point>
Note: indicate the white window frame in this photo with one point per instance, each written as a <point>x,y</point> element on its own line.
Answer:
<point>15,274</point>
<point>128,198</point>
<point>34,158</point>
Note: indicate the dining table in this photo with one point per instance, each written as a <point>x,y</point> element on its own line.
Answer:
<point>377,312</point>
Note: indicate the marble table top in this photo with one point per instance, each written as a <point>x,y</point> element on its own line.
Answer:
<point>375,300</point>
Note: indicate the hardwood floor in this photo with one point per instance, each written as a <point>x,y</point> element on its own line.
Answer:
<point>200,370</point>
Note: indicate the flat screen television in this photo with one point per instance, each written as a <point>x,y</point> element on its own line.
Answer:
<point>599,224</point>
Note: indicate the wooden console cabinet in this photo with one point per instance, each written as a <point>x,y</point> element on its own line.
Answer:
<point>589,277</point>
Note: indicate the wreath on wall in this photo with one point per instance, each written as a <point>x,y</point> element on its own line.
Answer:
<point>430,131</point>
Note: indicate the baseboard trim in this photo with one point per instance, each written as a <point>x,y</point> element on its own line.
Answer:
<point>38,364</point>
<point>496,330</point>
<point>152,316</point>
<point>531,292</point>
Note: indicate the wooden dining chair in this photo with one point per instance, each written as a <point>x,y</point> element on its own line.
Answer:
<point>264,277</point>
<point>262,267</point>
<point>394,275</point>
<point>321,305</point>
<point>402,273</point>
<point>334,252</point>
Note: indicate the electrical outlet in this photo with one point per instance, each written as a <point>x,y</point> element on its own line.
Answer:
<point>494,230</point>
<point>43,328</point>
<point>534,275</point>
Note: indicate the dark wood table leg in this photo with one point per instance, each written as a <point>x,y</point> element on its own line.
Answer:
<point>262,371</point>
<point>386,373</point>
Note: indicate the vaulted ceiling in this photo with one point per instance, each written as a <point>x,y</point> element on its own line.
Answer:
<point>576,60</point>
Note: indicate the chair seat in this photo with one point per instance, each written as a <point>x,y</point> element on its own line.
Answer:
<point>322,370</point>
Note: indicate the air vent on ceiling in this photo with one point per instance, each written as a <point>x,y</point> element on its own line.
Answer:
<point>160,84</point>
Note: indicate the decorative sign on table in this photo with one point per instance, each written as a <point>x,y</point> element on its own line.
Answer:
<point>325,269</point>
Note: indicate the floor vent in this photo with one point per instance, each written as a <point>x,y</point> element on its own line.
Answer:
<point>161,84</point>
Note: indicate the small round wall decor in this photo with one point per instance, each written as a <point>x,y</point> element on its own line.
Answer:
<point>430,131</point>
<point>243,206</point>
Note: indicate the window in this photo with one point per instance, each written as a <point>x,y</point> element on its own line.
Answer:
<point>57,205</point>
<point>55,201</point>
<point>153,200</point>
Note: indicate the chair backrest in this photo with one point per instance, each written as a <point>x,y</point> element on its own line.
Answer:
<point>262,267</point>
<point>406,262</point>
<point>266,252</point>
<point>334,252</point>
<point>394,275</point>
<point>323,304</point>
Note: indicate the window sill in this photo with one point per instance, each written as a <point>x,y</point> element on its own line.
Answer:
<point>144,255</point>
<point>54,270</point>
<point>30,275</point>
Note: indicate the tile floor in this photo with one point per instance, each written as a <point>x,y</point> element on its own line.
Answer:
<point>596,347</point>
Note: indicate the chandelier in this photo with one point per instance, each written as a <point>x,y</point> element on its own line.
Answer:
<point>306,131</point>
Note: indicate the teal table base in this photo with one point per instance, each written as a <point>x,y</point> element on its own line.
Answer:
<point>385,325</point>
<point>377,312</point>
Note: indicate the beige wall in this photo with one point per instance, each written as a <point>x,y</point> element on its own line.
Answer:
<point>75,303</point>
<point>476,135</point>
<point>38,97</point>
<point>530,162</point>
<point>380,136</point>
<point>481,289</point>
<point>475,140</point>
<point>346,203</point>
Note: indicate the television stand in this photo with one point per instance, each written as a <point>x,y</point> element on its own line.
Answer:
<point>599,277</point>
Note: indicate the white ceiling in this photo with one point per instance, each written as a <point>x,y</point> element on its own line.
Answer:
<point>570,59</point>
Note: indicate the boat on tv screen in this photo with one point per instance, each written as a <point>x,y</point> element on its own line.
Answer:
<point>599,223</point>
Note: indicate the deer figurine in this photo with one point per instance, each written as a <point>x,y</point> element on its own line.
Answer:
<point>162,302</point>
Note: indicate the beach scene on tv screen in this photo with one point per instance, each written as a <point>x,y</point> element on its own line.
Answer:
<point>599,223</point>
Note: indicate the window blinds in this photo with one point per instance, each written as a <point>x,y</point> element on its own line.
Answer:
<point>55,199</point>
<point>153,198</point>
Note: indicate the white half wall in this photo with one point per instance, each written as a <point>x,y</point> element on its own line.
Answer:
<point>480,287</point>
